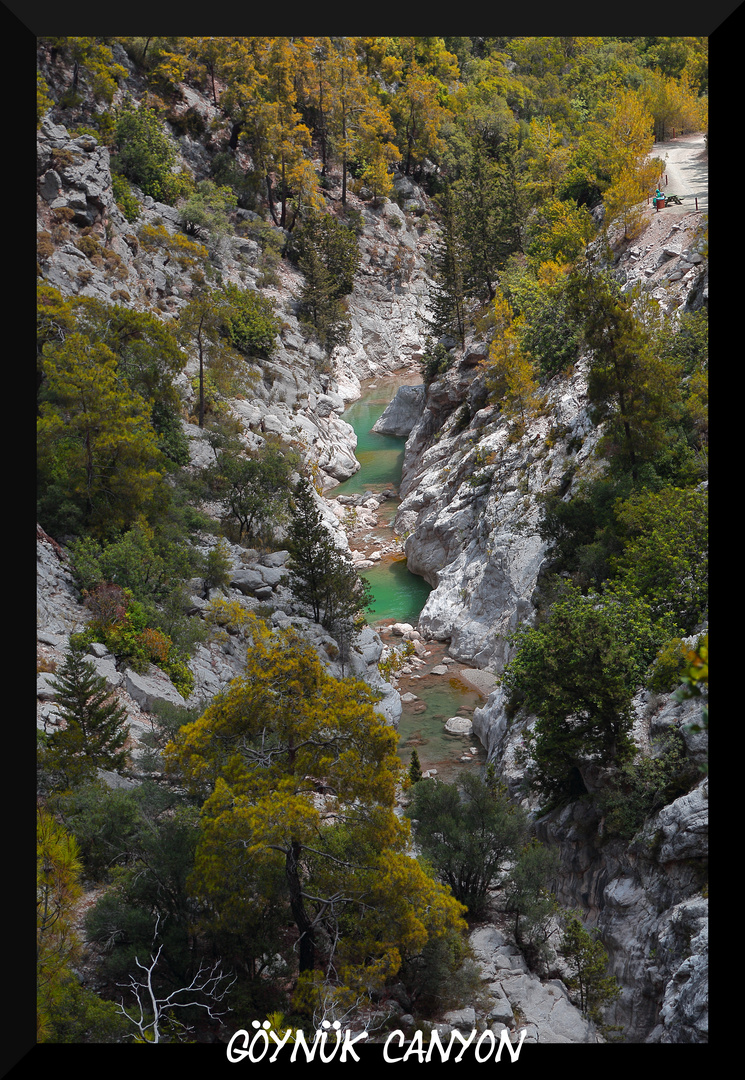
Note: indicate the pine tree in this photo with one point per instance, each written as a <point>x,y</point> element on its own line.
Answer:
<point>95,725</point>
<point>338,866</point>
<point>449,294</point>
<point>320,575</point>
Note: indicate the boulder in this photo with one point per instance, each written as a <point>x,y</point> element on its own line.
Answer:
<point>459,725</point>
<point>403,412</point>
<point>151,688</point>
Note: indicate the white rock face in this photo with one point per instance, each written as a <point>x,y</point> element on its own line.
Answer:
<point>471,511</point>
<point>543,1008</point>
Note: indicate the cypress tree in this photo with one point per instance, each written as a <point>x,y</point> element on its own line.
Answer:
<point>415,768</point>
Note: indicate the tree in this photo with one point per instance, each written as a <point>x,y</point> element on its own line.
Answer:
<point>99,463</point>
<point>359,125</point>
<point>320,575</point>
<point>529,897</point>
<point>631,388</point>
<point>203,323</point>
<point>149,358</point>
<point>205,213</point>
<point>469,832</point>
<point>58,889</point>
<point>543,324</point>
<point>96,728</point>
<point>448,302</point>
<point>415,768</point>
<point>419,112</point>
<point>255,487</point>
<point>509,373</point>
<point>299,774</point>
<point>480,217</point>
<point>327,252</point>
<point>665,557</point>
<point>154,1016</point>
<point>588,962</point>
<point>577,672</point>
<point>251,321</point>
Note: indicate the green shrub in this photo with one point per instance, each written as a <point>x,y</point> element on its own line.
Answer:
<point>667,668</point>
<point>642,787</point>
<point>252,324</point>
<point>125,198</point>
<point>147,156</point>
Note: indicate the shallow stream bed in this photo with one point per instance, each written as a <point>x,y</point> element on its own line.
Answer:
<point>399,596</point>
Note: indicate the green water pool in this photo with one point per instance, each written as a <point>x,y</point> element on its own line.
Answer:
<point>398,594</point>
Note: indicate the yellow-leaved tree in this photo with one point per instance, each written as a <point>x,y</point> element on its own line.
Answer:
<point>298,774</point>
<point>510,377</point>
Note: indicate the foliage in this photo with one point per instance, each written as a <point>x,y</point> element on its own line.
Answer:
<point>58,889</point>
<point>448,302</point>
<point>104,823</point>
<point>545,328</point>
<point>43,101</point>
<point>125,198</point>
<point>217,566</point>
<point>149,894</point>
<point>665,673</point>
<point>469,833</point>
<point>442,976</point>
<point>415,768</point>
<point>509,373</point>
<point>95,730</point>
<point>327,252</point>
<point>99,464</point>
<point>665,552</point>
<point>695,679</point>
<point>588,962</point>
<point>578,672</point>
<point>251,321</point>
<point>147,156</point>
<point>643,786</point>
<point>258,754</point>
<point>92,57</point>
<point>435,361</point>
<point>146,562</point>
<point>206,210</point>
<point>685,344</point>
<point>255,488</point>
<point>204,323</point>
<point>529,897</point>
<point>122,624</point>
<point>631,388</point>
<point>321,577</point>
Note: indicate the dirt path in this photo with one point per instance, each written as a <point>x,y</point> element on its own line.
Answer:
<point>687,169</point>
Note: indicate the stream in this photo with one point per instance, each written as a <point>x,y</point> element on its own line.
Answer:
<point>399,596</point>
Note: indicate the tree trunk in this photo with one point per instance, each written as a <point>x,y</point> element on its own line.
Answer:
<point>307,944</point>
